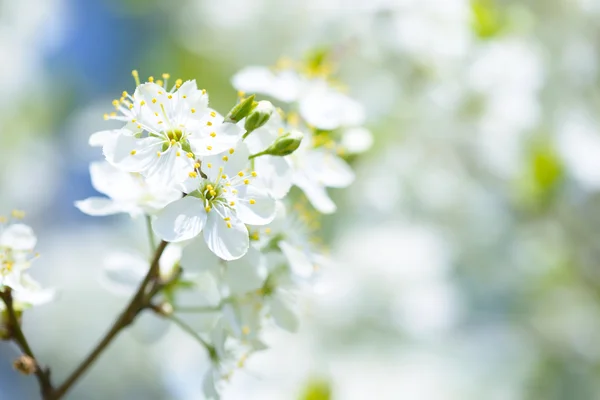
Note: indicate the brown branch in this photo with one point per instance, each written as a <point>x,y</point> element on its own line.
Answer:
<point>16,334</point>
<point>139,302</point>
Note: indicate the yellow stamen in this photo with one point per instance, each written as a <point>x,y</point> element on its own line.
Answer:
<point>252,201</point>
<point>136,77</point>
<point>225,158</point>
<point>193,174</point>
<point>190,155</point>
<point>133,152</point>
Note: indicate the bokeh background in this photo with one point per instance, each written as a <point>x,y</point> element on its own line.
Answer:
<point>466,251</point>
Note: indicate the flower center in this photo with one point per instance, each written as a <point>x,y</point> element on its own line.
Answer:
<point>175,134</point>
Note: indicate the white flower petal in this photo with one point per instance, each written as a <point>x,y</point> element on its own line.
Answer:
<point>328,109</point>
<point>232,162</point>
<point>169,169</point>
<point>101,206</point>
<point>118,151</point>
<point>27,292</point>
<point>246,274</point>
<point>98,139</point>
<point>282,314</point>
<point>299,262</point>
<point>115,183</point>
<point>228,242</point>
<point>194,98</point>
<point>181,220</point>
<point>18,237</point>
<point>261,212</point>
<point>357,140</point>
<point>209,384</point>
<point>197,256</point>
<point>150,327</point>
<point>226,136</point>
<point>330,169</point>
<point>316,194</point>
<point>123,272</point>
<point>275,174</point>
<point>168,260</point>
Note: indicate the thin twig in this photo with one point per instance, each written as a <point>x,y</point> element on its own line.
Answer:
<point>138,303</point>
<point>189,330</point>
<point>42,374</point>
<point>199,309</point>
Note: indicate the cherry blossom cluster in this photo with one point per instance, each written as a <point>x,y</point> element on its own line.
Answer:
<point>237,240</point>
<point>17,251</point>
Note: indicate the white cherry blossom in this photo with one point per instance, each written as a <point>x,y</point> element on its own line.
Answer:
<point>320,103</point>
<point>165,131</point>
<point>17,242</point>
<point>316,169</point>
<point>222,198</point>
<point>29,293</point>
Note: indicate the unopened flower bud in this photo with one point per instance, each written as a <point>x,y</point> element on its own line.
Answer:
<point>164,309</point>
<point>259,116</point>
<point>241,110</point>
<point>284,145</point>
<point>25,365</point>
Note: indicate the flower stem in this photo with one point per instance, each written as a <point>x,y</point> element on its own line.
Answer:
<point>150,233</point>
<point>189,330</point>
<point>138,303</point>
<point>42,374</point>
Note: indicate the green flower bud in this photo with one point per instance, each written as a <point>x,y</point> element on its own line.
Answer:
<point>259,116</point>
<point>284,145</point>
<point>241,110</point>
